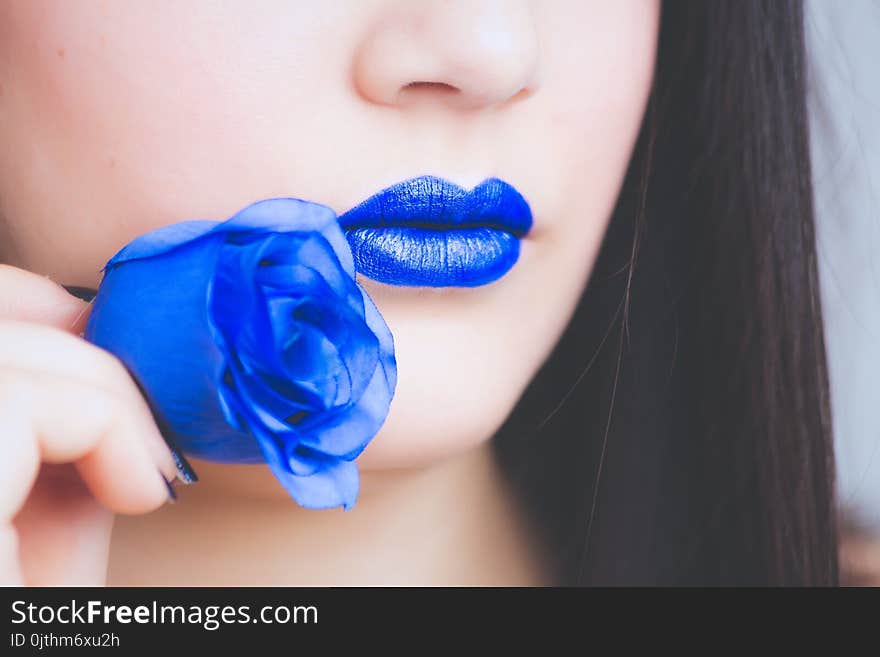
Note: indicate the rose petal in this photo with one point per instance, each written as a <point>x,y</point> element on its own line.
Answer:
<point>346,433</point>
<point>252,389</point>
<point>297,249</point>
<point>292,214</point>
<point>162,240</point>
<point>336,484</point>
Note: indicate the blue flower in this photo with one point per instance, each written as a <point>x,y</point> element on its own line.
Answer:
<point>253,343</point>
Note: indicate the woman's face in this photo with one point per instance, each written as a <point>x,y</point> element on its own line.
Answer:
<point>120,117</point>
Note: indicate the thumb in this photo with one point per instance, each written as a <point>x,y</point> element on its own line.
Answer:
<point>29,297</point>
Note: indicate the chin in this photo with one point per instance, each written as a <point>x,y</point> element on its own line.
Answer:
<point>411,438</point>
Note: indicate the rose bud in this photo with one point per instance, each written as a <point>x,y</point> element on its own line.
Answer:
<point>253,343</point>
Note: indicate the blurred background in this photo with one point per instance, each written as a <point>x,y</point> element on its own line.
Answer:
<point>843,39</point>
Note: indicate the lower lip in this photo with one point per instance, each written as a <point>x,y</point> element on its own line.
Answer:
<point>433,257</point>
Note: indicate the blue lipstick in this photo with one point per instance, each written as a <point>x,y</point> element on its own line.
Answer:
<point>429,232</point>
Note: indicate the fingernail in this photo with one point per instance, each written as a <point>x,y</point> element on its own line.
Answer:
<point>185,471</point>
<point>172,494</point>
<point>84,293</point>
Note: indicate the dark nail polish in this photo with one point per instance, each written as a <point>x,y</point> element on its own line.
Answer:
<point>84,293</point>
<point>172,494</point>
<point>185,471</point>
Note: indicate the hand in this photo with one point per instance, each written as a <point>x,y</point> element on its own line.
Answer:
<point>77,440</point>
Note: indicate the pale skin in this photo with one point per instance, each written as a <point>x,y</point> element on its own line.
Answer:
<point>118,118</point>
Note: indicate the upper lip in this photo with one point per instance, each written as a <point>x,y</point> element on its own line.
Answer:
<point>431,202</point>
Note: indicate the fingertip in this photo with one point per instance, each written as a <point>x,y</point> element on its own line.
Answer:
<point>76,321</point>
<point>30,297</point>
<point>130,492</point>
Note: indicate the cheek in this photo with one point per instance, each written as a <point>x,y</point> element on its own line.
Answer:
<point>123,117</point>
<point>594,103</point>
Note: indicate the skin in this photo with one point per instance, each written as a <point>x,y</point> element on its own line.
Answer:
<point>860,559</point>
<point>119,118</point>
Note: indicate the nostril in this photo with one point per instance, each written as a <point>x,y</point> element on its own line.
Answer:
<point>426,88</point>
<point>431,86</point>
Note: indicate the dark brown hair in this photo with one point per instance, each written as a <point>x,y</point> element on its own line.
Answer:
<point>680,433</point>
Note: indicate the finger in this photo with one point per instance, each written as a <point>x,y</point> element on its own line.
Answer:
<point>44,418</point>
<point>63,531</point>
<point>10,564</point>
<point>57,354</point>
<point>33,298</point>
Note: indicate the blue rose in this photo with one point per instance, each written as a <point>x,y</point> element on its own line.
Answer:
<point>253,343</point>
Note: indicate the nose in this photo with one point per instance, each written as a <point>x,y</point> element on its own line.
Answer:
<point>466,54</point>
